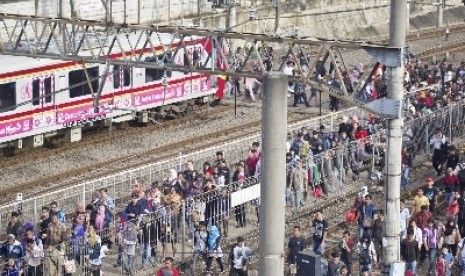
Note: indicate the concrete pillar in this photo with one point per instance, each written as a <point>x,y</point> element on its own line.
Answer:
<point>408,16</point>
<point>273,176</point>
<point>394,142</point>
<point>440,14</point>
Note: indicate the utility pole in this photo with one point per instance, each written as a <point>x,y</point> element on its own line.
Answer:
<point>397,36</point>
<point>277,15</point>
<point>408,16</point>
<point>231,20</point>
<point>273,175</point>
<point>440,13</point>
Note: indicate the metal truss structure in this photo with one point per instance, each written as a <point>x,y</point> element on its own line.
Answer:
<point>87,41</point>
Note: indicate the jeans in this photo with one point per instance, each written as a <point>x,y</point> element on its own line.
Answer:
<point>299,199</point>
<point>412,266</point>
<point>146,254</point>
<point>449,197</point>
<point>364,231</point>
<point>128,263</point>
<point>361,267</point>
<point>318,248</point>
<point>432,254</point>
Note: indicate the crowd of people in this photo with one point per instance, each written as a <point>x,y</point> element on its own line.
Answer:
<point>317,163</point>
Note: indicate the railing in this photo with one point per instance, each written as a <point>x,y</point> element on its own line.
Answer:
<point>120,185</point>
<point>237,204</point>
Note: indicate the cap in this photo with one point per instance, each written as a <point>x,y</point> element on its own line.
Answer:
<point>429,179</point>
<point>11,237</point>
<point>240,239</point>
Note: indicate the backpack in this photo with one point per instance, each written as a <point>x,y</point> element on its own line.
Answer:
<point>365,256</point>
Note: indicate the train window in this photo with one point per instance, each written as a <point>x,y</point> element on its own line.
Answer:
<point>48,89</point>
<point>153,74</point>
<point>7,96</point>
<point>117,76</point>
<point>78,78</point>
<point>127,76</point>
<point>36,92</point>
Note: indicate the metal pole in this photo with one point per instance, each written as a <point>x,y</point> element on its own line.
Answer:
<point>272,192</point>
<point>183,242</point>
<point>440,14</point>
<point>450,123</point>
<point>391,250</point>
<point>320,109</point>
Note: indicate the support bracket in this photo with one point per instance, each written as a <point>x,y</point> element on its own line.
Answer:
<point>389,56</point>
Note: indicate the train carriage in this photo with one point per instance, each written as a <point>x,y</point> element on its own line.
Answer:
<point>46,97</point>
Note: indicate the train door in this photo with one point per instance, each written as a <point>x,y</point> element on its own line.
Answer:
<point>122,77</point>
<point>43,91</point>
<point>43,97</point>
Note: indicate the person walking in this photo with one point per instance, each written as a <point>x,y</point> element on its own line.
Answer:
<point>409,250</point>
<point>345,246</point>
<point>296,244</point>
<point>214,248</point>
<point>437,141</point>
<point>365,216</point>
<point>239,256</point>
<point>320,231</point>
<point>367,254</point>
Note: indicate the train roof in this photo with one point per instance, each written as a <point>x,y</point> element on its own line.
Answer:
<point>10,64</point>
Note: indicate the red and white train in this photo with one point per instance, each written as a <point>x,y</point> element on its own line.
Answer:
<point>41,97</point>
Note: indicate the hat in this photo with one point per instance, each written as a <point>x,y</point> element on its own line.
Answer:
<point>429,179</point>
<point>11,237</point>
<point>240,239</point>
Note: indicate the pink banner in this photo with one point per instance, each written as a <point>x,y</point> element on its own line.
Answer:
<point>15,127</point>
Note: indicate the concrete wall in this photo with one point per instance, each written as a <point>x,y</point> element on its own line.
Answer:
<point>346,19</point>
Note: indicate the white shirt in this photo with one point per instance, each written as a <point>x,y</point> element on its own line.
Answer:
<point>404,216</point>
<point>34,257</point>
<point>437,142</point>
<point>288,70</point>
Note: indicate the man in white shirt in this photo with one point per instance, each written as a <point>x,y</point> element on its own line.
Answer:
<point>437,141</point>
<point>404,217</point>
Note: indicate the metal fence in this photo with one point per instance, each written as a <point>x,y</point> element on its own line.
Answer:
<point>120,185</point>
<point>233,208</point>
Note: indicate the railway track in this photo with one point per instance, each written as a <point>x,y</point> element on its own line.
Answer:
<point>453,47</point>
<point>57,145</point>
<point>114,165</point>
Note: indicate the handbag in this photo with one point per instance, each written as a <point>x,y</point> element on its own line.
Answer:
<point>367,222</point>
<point>70,266</point>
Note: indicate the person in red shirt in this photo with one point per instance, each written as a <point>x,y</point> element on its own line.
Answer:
<point>251,161</point>
<point>451,183</point>
<point>422,217</point>
<point>168,268</point>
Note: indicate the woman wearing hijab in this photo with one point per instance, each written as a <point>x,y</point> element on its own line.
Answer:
<point>102,225</point>
<point>214,248</point>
